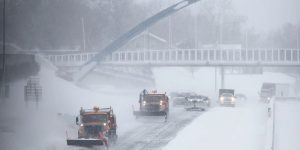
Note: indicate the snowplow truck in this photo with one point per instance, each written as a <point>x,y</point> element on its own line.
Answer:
<point>97,126</point>
<point>152,104</point>
<point>226,97</point>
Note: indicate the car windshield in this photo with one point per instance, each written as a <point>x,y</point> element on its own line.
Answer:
<point>227,95</point>
<point>94,118</point>
<point>153,97</point>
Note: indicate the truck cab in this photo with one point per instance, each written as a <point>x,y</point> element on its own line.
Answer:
<point>96,126</point>
<point>152,104</point>
<point>226,97</point>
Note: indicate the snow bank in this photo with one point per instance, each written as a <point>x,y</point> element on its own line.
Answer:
<point>224,128</point>
<point>44,126</point>
<point>287,125</point>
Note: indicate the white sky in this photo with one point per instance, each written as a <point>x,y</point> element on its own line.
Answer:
<point>263,15</point>
<point>266,15</point>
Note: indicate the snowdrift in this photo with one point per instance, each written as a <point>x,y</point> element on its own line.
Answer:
<point>224,128</point>
<point>44,125</point>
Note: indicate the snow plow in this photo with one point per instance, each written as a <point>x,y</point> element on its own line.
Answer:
<point>152,104</point>
<point>97,126</point>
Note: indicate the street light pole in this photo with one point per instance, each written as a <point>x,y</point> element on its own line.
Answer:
<point>221,31</point>
<point>297,37</point>
<point>196,31</point>
<point>246,39</point>
<point>83,33</point>
<point>3,55</point>
<point>170,32</point>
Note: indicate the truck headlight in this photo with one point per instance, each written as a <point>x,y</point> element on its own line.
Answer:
<point>232,99</point>
<point>161,102</point>
<point>104,124</point>
<point>144,103</point>
<point>222,98</point>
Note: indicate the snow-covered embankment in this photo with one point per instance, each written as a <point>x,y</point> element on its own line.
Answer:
<point>241,128</point>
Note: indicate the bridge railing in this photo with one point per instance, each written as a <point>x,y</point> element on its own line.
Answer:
<point>73,59</point>
<point>211,56</point>
<point>187,57</point>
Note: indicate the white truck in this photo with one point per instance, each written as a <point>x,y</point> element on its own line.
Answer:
<point>270,90</point>
<point>226,97</point>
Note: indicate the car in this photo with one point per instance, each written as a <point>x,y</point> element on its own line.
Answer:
<point>197,102</point>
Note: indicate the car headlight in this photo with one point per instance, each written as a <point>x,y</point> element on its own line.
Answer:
<point>232,98</point>
<point>104,124</point>
<point>144,103</point>
<point>222,98</point>
<point>161,102</point>
<point>81,125</point>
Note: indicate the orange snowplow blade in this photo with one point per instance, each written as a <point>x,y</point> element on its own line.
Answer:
<point>84,142</point>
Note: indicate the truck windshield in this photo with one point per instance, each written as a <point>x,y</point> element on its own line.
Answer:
<point>94,118</point>
<point>227,95</point>
<point>153,97</point>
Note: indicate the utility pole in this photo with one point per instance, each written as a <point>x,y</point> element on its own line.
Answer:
<point>3,86</point>
<point>169,26</point>
<point>196,31</point>
<point>83,33</point>
<point>297,37</point>
<point>246,39</point>
<point>170,32</point>
<point>221,31</point>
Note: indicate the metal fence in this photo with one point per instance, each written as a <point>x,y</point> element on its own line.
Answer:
<point>179,57</point>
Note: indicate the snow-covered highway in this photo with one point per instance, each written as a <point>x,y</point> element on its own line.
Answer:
<point>225,128</point>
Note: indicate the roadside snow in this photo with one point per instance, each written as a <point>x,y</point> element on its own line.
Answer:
<point>287,125</point>
<point>44,126</point>
<point>241,128</point>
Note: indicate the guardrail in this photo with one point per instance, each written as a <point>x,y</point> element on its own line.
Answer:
<point>177,57</point>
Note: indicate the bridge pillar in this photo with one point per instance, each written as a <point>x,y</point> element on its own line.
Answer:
<point>222,78</point>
